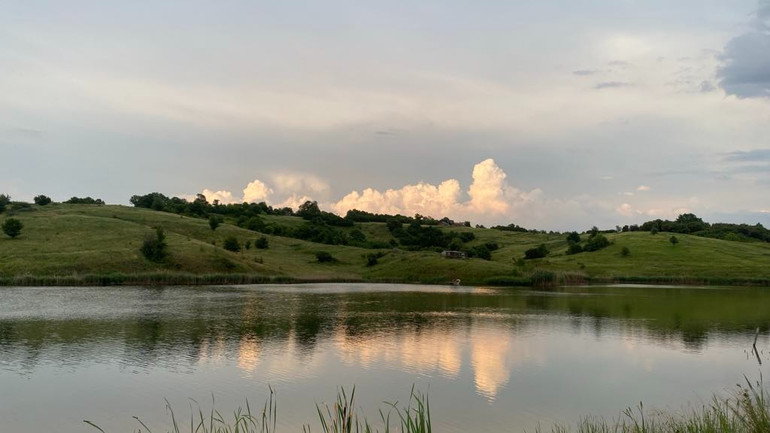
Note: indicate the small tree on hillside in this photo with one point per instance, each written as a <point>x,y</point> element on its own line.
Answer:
<point>324,257</point>
<point>261,243</point>
<point>536,253</point>
<point>573,238</point>
<point>12,227</point>
<point>4,201</point>
<point>214,222</point>
<point>231,244</point>
<point>625,252</point>
<point>42,200</point>
<point>673,240</point>
<point>154,246</point>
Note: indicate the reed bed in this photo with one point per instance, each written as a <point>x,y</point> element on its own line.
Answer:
<point>747,411</point>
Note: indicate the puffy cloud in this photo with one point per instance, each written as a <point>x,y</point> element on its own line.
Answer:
<point>489,194</point>
<point>626,210</point>
<point>643,188</point>
<point>488,190</point>
<point>299,183</point>
<point>293,201</point>
<point>224,197</point>
<point>286,190</point>
<point>745,71</point>
<point>256,191</point>
<point>422,198</point>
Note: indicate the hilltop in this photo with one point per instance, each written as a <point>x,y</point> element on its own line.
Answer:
<point>100,244</point>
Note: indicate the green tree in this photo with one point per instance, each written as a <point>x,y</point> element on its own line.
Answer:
<point>214,222</point>
<point>261,243</point>
<point>12,227</point>
<point>154,246</point>
<point>309,210</point>
<point>673,240</point>
<point>625,252</point>
<point>574,249</point>
<point>482,252</point>
<point>42,200</point>
<point>231,244</point>
<point>573,238</point>
<point>654,231</point>
<point>536,253</point>
<point>357,235</point>
<point>393,224</point>
<point>596,243</point>
<point>4,201</point>
<point>372,258</point>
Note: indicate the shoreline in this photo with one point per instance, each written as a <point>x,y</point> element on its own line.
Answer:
<point>551,280</point>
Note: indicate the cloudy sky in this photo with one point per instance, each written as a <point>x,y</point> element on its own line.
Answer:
<point>549,114</point>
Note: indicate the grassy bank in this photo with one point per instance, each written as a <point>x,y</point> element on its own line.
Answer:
<point>747,412</point>
<point>99,245</point>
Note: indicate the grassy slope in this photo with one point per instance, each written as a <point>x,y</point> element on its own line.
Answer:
<point>81,239</point>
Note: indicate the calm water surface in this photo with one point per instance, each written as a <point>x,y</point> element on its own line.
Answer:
<point>490,359</point>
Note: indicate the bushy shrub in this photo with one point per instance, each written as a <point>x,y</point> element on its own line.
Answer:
<point>12,227</point>
<point>214,222</point>
<point>467,236</point>
<point>536,253</point>
<point>154,246</point>
<point>373,258</point>
<point>625,252</point>
<point>574,249</point>
<point>481,252</point>
<point>84,200</point>
<point>42,200</point>
<point>596,243</point>
<point>324,257</point>
<point>4,201</point>
<point>231,244</point>
<point>573,238</point>
<point>261,243</point>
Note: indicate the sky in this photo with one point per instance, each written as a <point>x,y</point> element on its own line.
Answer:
<point>554,115</point>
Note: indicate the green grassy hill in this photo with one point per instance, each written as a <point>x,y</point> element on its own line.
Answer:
<point>71,244</point>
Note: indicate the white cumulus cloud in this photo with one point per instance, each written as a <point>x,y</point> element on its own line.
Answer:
<point>490,196</point>
<point>256,191</point>
<point>224,197</point>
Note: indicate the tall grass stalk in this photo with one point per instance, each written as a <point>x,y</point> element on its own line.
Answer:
<point>748,411</point>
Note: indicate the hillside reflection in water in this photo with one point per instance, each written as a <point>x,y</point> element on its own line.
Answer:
<point>513,348</point>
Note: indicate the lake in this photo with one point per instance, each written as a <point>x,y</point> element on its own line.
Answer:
<point>489,359</point>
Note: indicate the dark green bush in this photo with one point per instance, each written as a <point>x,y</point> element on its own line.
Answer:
<point>154,246</point>
<point>231,244</point>
<point>536,253</point>
<point>596,243</point>
<point>261,243</point>
<point>12,227</point>
<point>214,222</point>
<point>324,257</point>
<point>574,249</point>
<point>42,200</point>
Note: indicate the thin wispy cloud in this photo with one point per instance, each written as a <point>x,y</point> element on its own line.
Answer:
<point>612,85</point>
